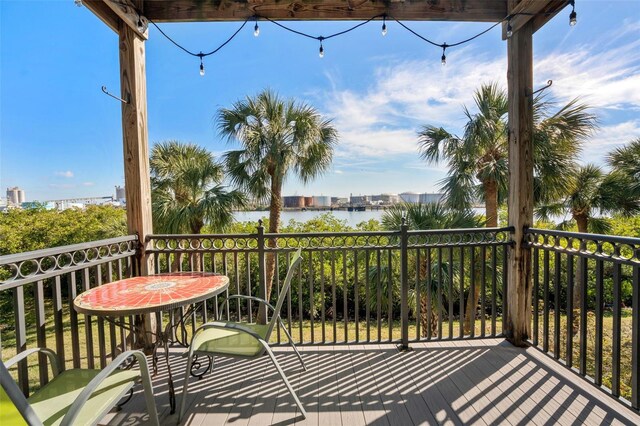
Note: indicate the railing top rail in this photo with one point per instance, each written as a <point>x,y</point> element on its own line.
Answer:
<point>509,229</point>
<point>197,236</point>
<point>37,254</point>
<point>584,236</point>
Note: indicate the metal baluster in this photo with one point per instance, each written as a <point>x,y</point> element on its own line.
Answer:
<point>599,325</point>
<point>494,296</point>
<point>41,336</point>
<point>545,317</point>
<point>556,307</point>
<point>616,337</point>
<point>570,284</point>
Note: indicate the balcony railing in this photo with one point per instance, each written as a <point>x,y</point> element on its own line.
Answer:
<point>39,287</point>
<point>586,307</point>
<point>357,287</point>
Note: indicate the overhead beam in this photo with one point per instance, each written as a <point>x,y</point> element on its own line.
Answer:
<point>552,10</point>
<point>104,13</point>
<point>540,11</point>
<point>408,10</point>
<point>130,15</point>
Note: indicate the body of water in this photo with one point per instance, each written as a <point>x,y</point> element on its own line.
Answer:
<point>352,218</point>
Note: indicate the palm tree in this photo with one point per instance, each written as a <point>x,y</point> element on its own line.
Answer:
<point>478,161</point>
<point>278,138</point>
<point>590,194</point>
<point>186,190</point>
<point>431,216</point>
<point>626,160</point>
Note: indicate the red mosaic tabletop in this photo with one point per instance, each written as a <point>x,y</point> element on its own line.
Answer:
<point>153,293</point>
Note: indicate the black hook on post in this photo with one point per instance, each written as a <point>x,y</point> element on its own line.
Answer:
<point>549,83</point>
<point>104,90</point>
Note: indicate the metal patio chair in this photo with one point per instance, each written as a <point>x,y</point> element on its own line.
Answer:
<point>244,340</point>
<point>72,397</point>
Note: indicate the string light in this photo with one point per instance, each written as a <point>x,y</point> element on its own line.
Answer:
<point>443,46</point>
<point>78,3</point>
<point>573,15</point>
<point>201,55</point>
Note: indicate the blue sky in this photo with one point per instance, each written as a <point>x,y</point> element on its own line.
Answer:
<point>60,136</point>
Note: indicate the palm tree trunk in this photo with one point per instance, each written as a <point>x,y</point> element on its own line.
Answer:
<point>430,322</point>
<point>274,227</point>
<point>196,263</point>
<point>490,188</point>
<point>491,203</point>
<point>582,220</point>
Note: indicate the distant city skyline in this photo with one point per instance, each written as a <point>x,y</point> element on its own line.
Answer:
<point>60,136</point>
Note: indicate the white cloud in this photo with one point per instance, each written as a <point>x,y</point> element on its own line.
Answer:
<point>62,185</point>
<point>383,120</point>
<point>609,137</point>
<point>608,79</point>
<point>88,183</point>
<point>66,174</point>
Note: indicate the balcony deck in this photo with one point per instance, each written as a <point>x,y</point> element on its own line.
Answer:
<point>480,382</point>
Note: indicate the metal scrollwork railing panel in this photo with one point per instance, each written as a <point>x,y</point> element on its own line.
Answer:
<point>24,268</point>
<point>624,250</point>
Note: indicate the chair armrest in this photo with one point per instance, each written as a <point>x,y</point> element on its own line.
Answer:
<point>86,393</point>
<point>53,358</point>
<point>241,296</point>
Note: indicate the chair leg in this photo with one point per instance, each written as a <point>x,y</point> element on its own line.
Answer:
<point>150,400</point>
<point>284,378</point>
<point>183,401</point>
<point>304,367</point>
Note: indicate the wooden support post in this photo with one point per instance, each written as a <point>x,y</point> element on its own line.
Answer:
<point>520,83</point>
<point>136,150</point>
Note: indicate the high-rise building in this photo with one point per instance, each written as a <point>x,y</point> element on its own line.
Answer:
<point>15,196</point>
<point>120,194</point>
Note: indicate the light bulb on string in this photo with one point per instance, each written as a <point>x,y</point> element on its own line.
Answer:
<point>321,50</point>
<point>201,55</point>
<point>443,59</point>
<point>256,30</point>
<point>78,3</point>
<point>384,26</point>
<point>573,16</point>
<point>509,29</point>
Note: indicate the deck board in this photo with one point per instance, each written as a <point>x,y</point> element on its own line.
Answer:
<point>475,382</point>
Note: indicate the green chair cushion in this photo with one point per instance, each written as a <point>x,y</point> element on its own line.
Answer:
<point>9,414</point>
<point>52,401</point>
<point>229,341</point>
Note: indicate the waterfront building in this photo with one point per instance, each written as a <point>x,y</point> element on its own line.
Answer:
<point>308,201</point>
<point>385,198</point>
<point>15,196</point>
<point>360,199</point>
<point>427,198</point>
<point>293,201</point>
<point>120,194</point>
<point>410,197</point>
<point>321,201</point>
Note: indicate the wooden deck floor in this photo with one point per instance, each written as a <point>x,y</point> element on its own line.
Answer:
<point>480,382</point>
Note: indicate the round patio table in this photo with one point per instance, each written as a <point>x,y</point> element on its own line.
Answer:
<point>152,294</point>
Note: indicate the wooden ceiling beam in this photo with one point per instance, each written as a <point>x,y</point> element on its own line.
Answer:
<point>130,15</point>
<point>532,10</point>
<point>554,7</point>
<point>407,10</point>
<point>104,13</point>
